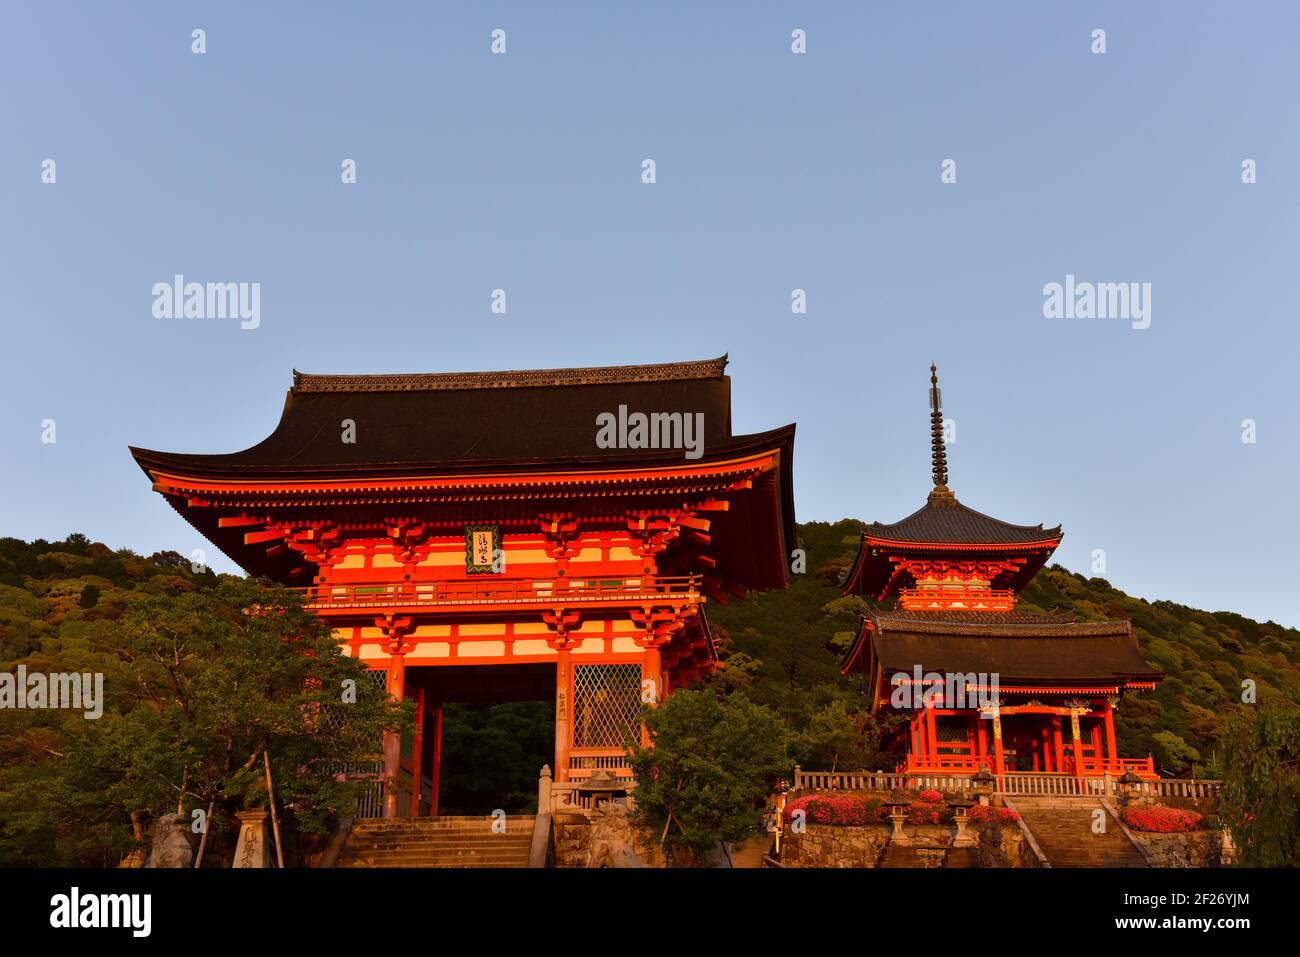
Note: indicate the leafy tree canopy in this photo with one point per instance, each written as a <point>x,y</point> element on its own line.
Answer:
<point>713,763</point>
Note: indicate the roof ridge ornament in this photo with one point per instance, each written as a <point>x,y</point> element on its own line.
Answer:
<point>941,496</point>
<point>304,382</point>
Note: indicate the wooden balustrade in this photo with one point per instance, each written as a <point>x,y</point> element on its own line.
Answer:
<point>1037,783</point>
<point>495,590</point>
<point>583,761</point>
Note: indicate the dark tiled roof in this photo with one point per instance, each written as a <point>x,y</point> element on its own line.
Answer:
<point>514,379</point>
<point>475,420</point>
<point>948,522</point>
<point>995,624</point>
<point>1045,648</point>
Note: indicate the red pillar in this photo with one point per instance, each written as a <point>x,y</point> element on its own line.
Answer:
<point>1076,743</point>
<point>998,767</point>
<point>1058,744</point>
<point>437,759</point>
<point>981,742</point>
<point>1096,748</point>
<point>393,739</point>
<point>930,734</point>
<point>1112,756</point>
<point>563,691</point>
<point>417,755</point>
<point>651,683</point>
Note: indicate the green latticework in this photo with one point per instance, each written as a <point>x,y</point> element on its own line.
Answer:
<point>334,715</point>
<point>606,703</point>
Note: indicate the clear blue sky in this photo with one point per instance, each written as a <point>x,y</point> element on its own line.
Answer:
<point>775,172</point>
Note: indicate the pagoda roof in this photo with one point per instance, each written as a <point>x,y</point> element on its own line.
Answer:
<point>446,444</point>
<point>448,421</point>
<point>1020,647</point>
<point>945,529</point>
<point>946,521</point>
<point>949,529</point>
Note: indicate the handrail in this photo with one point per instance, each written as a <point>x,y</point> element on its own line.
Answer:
<point>490,590</point>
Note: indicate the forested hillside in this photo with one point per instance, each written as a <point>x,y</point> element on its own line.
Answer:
<point>77,605</point>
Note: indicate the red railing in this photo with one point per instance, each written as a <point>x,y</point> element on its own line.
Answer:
<point>992,599</point>
<point>970,764</point>
<point>493,590</point>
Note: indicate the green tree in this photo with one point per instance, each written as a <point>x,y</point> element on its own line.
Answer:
<point>841,733</point>
<point>1175,753</point>
<point>198,687</point>
<point>712,764</point>
<point>1260,800</point>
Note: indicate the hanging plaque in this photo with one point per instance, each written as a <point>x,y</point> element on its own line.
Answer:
<point>482,544</point>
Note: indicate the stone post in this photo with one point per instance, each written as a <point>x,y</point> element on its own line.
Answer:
<point>1227,850</point>
<point>544,790</point>
<point>253,849</point>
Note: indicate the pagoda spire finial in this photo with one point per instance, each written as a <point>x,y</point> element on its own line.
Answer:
<point>939,456</point>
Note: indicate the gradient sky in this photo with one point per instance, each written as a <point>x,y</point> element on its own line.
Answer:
<point>775,171</point>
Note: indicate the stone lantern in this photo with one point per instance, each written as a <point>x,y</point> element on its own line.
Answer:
<point>961,817</point>
<point>601,784</point>
<point>1131,788</point>
<point>982,785</point>
<point>897,802</point>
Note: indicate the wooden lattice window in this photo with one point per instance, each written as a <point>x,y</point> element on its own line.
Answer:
<point>950,729</point>
<point>606,705</point>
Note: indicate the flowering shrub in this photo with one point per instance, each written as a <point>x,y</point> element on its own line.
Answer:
<point>851,810</point>
<point>1164,820</point>
<point>980,814</point>
<point>926,812</point>
<point>845,811</point>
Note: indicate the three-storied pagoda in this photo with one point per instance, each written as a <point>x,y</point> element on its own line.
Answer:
<point>990,687</point>
<point>490,536</point>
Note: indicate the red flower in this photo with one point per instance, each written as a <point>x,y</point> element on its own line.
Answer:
<point>1162,820</point>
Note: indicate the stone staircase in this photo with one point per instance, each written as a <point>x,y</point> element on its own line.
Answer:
<point>438,842</point>
<point>1062,826</point>
<point>750,853</point>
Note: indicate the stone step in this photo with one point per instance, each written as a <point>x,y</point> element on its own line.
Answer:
<point>449,856</point>
<point>430,860</point>
<point>438,831</point>
<point>429,847</point>
<point>444,865</point>
<point>1066,838</point>
<point>400,839</point>
<point>438,824</point>
<point>442,842</point>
